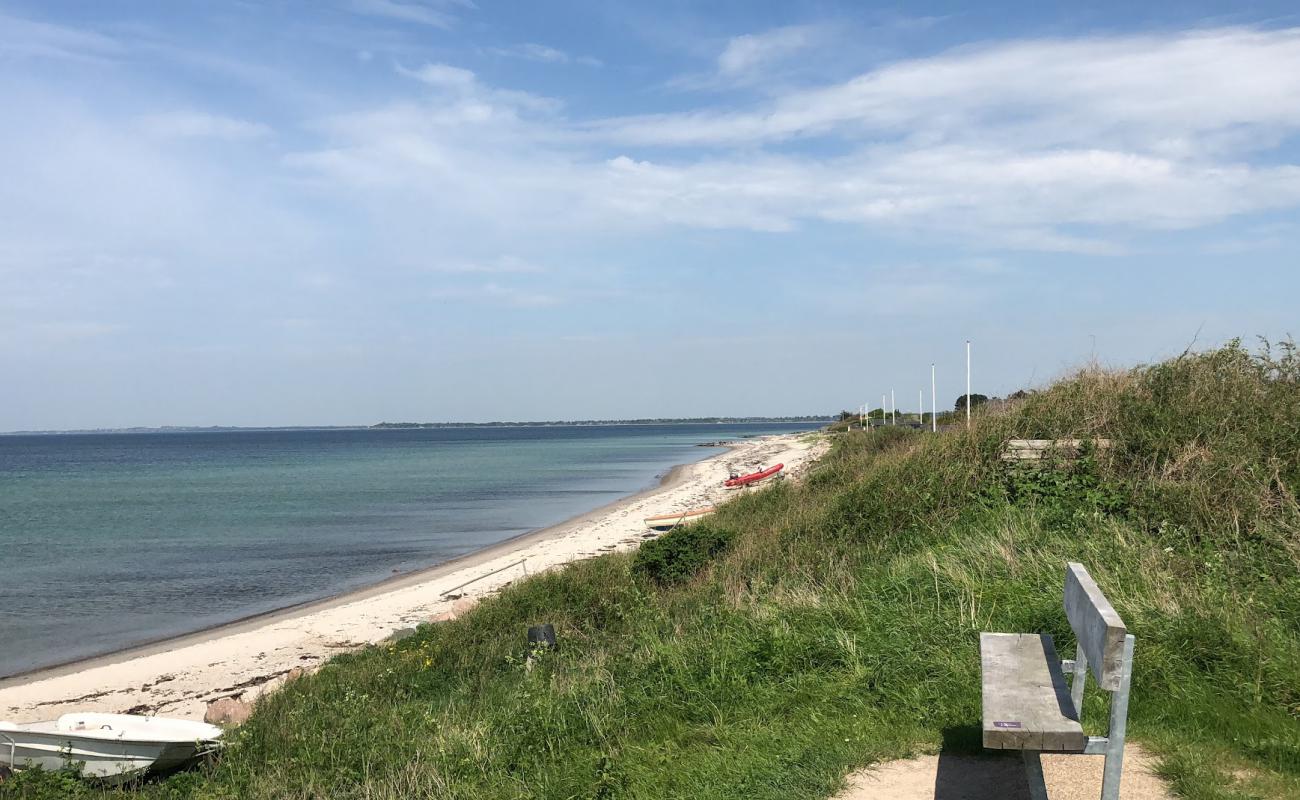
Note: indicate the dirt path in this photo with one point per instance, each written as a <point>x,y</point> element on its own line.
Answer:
<point>944,777</point>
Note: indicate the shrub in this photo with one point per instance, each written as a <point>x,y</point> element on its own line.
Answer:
<point>680,554</point>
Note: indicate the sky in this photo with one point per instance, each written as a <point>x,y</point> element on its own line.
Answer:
<point>347,211</point>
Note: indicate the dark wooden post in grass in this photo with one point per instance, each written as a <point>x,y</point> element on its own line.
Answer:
<point>540,638</point>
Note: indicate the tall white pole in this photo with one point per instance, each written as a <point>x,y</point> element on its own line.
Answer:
<point>882,411</point>
<point>893,409</point>
<point>968,403</point>
<point>920,407</point>
<point>934,410</point>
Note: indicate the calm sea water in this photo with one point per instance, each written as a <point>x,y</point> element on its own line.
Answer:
<point>109,540</point>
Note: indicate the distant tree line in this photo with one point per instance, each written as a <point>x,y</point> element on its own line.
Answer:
<point>642,421</point>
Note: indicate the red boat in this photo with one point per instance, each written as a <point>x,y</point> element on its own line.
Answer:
<point>741,481</point>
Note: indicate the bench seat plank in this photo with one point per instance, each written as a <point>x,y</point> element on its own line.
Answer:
<point>1027,704</point>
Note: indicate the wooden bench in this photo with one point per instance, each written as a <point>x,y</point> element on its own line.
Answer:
<point>1035,452</point>
<point>1027,703</point>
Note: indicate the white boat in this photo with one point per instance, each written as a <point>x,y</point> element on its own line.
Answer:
<point>669,521</point>
<point>115,747</point>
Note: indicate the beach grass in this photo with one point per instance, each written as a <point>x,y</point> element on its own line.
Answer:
<point>810,629</point>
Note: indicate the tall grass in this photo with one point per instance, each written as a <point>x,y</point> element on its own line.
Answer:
<point>807,630</point>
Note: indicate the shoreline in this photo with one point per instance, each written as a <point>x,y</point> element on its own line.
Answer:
<point>506,546</point>
<point>247,658</point>
<point>415,426</point>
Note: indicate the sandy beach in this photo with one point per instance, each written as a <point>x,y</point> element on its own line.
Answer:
<point>243,660</point>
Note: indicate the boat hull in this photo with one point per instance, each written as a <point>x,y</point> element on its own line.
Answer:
<point>103,752</point>
<point>753,479</point>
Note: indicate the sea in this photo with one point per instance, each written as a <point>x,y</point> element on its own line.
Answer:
<point>110,540</point>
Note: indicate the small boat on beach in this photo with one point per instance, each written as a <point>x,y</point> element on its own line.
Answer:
<point>741,481</point>
<point>670,521</point>
<point>112,747</point>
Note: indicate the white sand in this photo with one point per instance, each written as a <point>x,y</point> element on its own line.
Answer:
<point>179,677</point>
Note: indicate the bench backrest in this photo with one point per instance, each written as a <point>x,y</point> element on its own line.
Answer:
<point>1098,629</point>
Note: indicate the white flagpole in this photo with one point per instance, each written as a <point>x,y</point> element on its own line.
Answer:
<point>893,409</point>
<point>968,403</point>
<point>920,407</point>
<point>934,410</point>
<point>882,411</point>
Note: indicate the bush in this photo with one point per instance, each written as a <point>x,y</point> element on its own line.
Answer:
<point>678,555</point>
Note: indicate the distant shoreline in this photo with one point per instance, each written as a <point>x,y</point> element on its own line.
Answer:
<point>389,426</point>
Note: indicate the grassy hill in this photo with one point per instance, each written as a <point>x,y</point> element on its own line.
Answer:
<point>808,630</point>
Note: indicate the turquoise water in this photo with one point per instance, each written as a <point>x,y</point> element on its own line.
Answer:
<point>110,540</point>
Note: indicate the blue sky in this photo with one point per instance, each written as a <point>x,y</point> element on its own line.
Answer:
<point>345,211</point>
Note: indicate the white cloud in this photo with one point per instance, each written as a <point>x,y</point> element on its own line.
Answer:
<point>756,60</point>
<point>544,54</point>
<point>438,14</point>
<point>198,124</point>
<point>479,100</point>
<point>745,54</point>
<point>443,76</point>
<point>1134,91</point>
<point>1032,145</point>
<point>24,38</point>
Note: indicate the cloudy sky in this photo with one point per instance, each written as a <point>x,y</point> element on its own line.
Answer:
<point>346,211</point>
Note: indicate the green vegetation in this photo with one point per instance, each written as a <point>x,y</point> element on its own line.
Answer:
<point>807,630</point>
<point>683,553</point>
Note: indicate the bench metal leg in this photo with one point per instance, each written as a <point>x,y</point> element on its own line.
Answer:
<point>1034,775</point>
<point>1114,767</point>
<point>1080,677</point>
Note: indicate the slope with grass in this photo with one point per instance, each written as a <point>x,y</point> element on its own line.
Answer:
<point>808,630</point>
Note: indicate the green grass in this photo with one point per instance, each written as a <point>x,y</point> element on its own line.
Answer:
<point>807,630</point>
